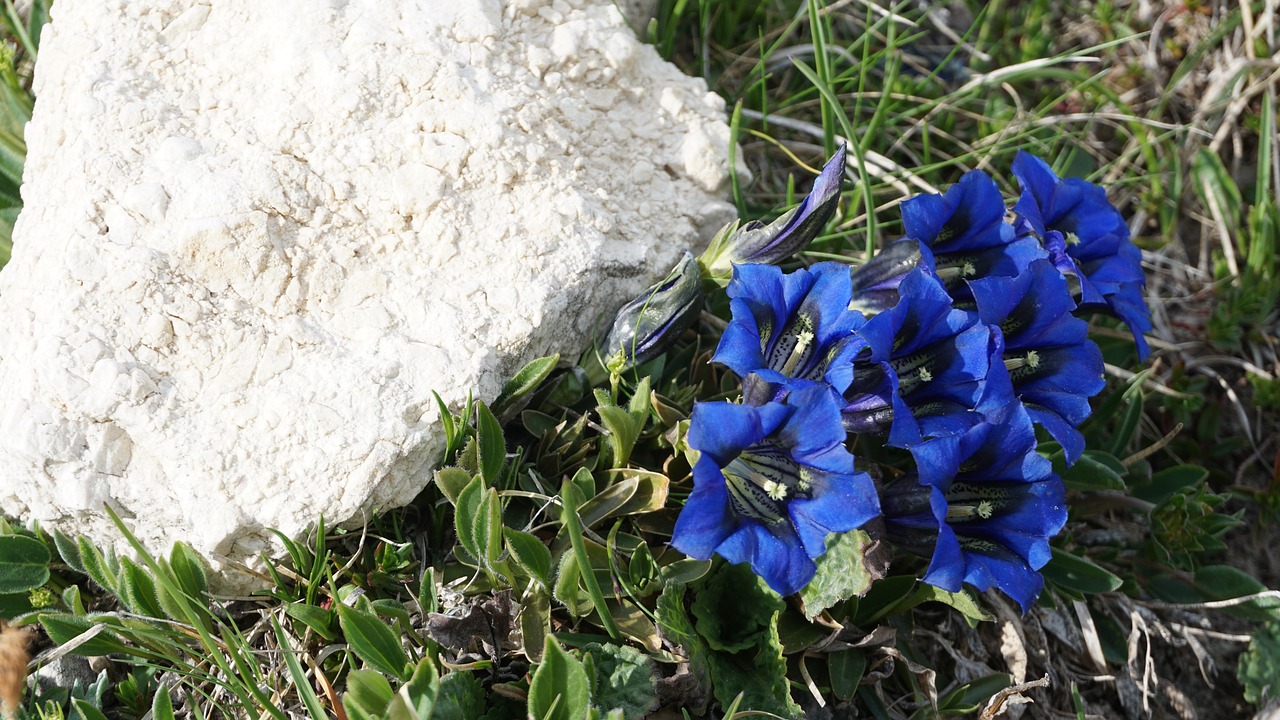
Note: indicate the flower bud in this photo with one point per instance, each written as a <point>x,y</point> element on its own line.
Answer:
<point>756,242</point>
<point>645,326</point>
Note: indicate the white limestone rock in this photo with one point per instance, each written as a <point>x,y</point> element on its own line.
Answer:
<point>257,236</point>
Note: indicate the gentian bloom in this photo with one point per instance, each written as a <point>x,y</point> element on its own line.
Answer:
<point>960,235</point>
<point>644,327</point>
<point>787,326</point>
<point>1052,366</point>
<point>769,244</point>
<point>983,506</point>
<point>921,367</point>
<point>771,482</point>
<point>1093,248</point>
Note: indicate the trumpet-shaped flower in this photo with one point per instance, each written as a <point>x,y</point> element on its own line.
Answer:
<point>644,327</point>
<point>1051,364</point>
<point>1094,246</point>
<point>771,483</point>
<point>961,235</point>
<point>920,368</point>
<point>787,326</point>
<point>769,244</point>
<point>983,506</point>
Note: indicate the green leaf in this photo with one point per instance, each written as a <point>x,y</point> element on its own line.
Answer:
<point>451,481</point>
<point>162,705</point>
<point>85,711</point>
<point>846,668</point>
<point>1079,574</point>
<point>300,681</point>
<point>623,433</point>
<point>492,446</point>
<point>622,678</point>
<point>570,501</point>
<point>470,504</point>
<point>63,629</point>
<point>1259,666</point>
<point>524,382</point>
<point>535,622</point>
<point>960,600</point>
<point>69,551</point>
<point>373,642</point>
<point>1170,480</point>
<point>1128,424</point>
<point>188,570</point>
<point>530,554</point>
<point>737,616</point>
<point>137,590</point>
<point>417,698</point>
<point>24,563</point>
<point>971,697</point>
<point>1223,582</point>
<point>461,697</point>
<point>101,569</point>
<point>842,573</point>
<point>320,621</point>
<point>559,689</point>
<point>368,694</point>
<point>1095,471</point>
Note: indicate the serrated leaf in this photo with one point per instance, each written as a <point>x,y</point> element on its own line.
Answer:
<point>1079,574</point>
<point>461,697</point>
<point>842,573</point>
<point>24,563</point>
<point>530,553</point>
<point>559,689</point>
<point>490,444</point>
<point>622,678</point>
<point>524,382</point>
<point>373,642</point>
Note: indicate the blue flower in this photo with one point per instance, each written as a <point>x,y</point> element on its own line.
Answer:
<point>1051,364</point>
<point>1094,246</point>
<point>920,367</point>
<point>787,326</point>
<point>771,483</point>
<point>960,235</point>
<point>769,244</point>
<point>983,506</point>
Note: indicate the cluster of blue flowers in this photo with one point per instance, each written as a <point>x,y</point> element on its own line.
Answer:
<point>952,344</point>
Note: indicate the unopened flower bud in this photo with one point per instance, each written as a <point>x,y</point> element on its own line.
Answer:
<point>645,326</point>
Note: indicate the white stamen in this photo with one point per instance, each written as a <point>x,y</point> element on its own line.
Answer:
<point>925,375</point>
<point>804,338</point>
<point>775,490</point>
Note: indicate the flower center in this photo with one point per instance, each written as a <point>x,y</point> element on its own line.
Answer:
<point>1031,361</point>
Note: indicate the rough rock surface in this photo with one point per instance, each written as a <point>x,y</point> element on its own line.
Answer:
<point>257,236</point>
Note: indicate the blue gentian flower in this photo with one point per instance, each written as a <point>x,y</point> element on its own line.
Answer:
<point>770,244</point>
<point>1051,364</point>
<point>919,369</point>
<point>983,506</point>
<point>771,483</point>
<point>1094,246</point>
<point>787,326</point>
<point>644,327</point>
<point>960,235</point>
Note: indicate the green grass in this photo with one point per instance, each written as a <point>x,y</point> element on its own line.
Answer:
<point>553,509</point>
